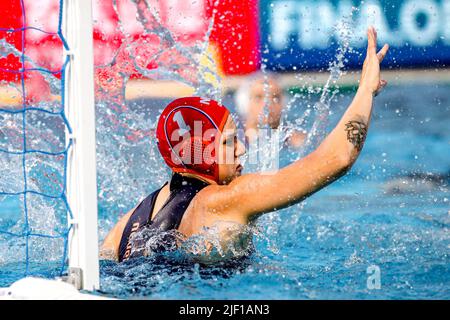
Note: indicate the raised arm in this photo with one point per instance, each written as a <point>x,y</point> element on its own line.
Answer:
<point>253,194</point>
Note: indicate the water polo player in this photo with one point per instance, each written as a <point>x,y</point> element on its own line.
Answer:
<point>197,139</point>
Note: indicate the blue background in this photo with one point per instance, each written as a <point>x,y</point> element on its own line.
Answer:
<point>293,56</point>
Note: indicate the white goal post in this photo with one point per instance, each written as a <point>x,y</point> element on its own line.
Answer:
<point>81,163</point>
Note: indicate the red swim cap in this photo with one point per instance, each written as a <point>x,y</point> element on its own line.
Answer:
<point>186,134</point>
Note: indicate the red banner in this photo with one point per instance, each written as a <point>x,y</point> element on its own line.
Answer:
<point>234,36</point>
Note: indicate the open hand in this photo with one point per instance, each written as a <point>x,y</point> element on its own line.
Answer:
<point>370,76</point>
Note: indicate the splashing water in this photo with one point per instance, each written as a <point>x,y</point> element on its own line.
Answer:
<point>45,132</point>
<point>7,49</point>
<point>322,108</point>
<point>322,255</point>
<point>271,222</point>
<point>207,247</point>
<point>128,163</point>
<point>314,118</point>
<point>127,160</point>
<point>127,157</point>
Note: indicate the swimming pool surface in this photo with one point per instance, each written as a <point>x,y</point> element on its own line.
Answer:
<point>391,212</point>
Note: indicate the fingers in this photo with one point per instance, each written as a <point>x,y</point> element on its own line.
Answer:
<point>371,41</point>
<point>382,53</point>
<point>372,44</point>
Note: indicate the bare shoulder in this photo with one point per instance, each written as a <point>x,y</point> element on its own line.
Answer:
<point>208,200</point>
<point>209,207</point>
<point>220,200</point>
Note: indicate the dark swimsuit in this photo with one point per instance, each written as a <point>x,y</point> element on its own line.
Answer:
<point>182,191</point>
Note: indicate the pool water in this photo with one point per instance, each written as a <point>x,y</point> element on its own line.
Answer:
<point>390,213</point>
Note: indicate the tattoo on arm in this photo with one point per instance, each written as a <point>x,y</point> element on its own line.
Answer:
<point>356,133</point>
